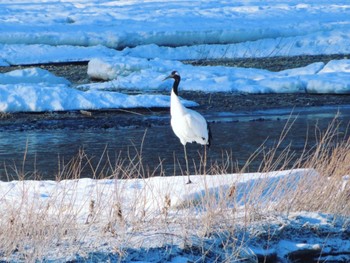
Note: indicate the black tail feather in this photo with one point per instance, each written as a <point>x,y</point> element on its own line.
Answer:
<point>210,137</point>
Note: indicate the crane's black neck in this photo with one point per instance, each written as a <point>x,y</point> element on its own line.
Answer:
<point>176,84</point>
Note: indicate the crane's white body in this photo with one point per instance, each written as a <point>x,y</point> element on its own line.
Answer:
<point>188,125</point>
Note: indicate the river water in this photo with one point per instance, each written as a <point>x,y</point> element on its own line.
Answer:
<point>42,153</point>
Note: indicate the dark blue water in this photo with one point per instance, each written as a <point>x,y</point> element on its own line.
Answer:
<point>43,153</point>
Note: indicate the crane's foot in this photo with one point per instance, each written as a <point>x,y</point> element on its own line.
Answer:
<point>189,181</point>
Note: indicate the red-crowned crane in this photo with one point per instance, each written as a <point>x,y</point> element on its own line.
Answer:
<point>188,125</point>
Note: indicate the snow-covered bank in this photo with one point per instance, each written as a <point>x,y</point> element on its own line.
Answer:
<point>334,42</point>
<point>22,54</point>
<point>48,31</point>
<point>125,23</point>
<point>35,90</point>
<point>146,74</point>
<point>119,24</point>
<point>163,218</point>
<point>328,42</point>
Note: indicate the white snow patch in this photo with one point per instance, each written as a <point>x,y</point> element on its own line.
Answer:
<point>144,74</point>
<point>36,90</point>
<point>286,247</point>
<point>336,83</point>
<point>337,66</point>
<point>26,54</point>
<point>32,76</point>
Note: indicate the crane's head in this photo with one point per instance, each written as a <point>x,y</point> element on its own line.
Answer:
<point>173,75</point>
<point>176,76</point>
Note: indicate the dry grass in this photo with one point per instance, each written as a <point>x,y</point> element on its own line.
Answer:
<point>330,158</point>
<point>109,218</point>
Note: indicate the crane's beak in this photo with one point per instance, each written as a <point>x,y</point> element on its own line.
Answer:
<point>168,77</point>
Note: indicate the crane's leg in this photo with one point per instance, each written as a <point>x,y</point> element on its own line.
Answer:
<point>187,169</point>
<point>205,160</point>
